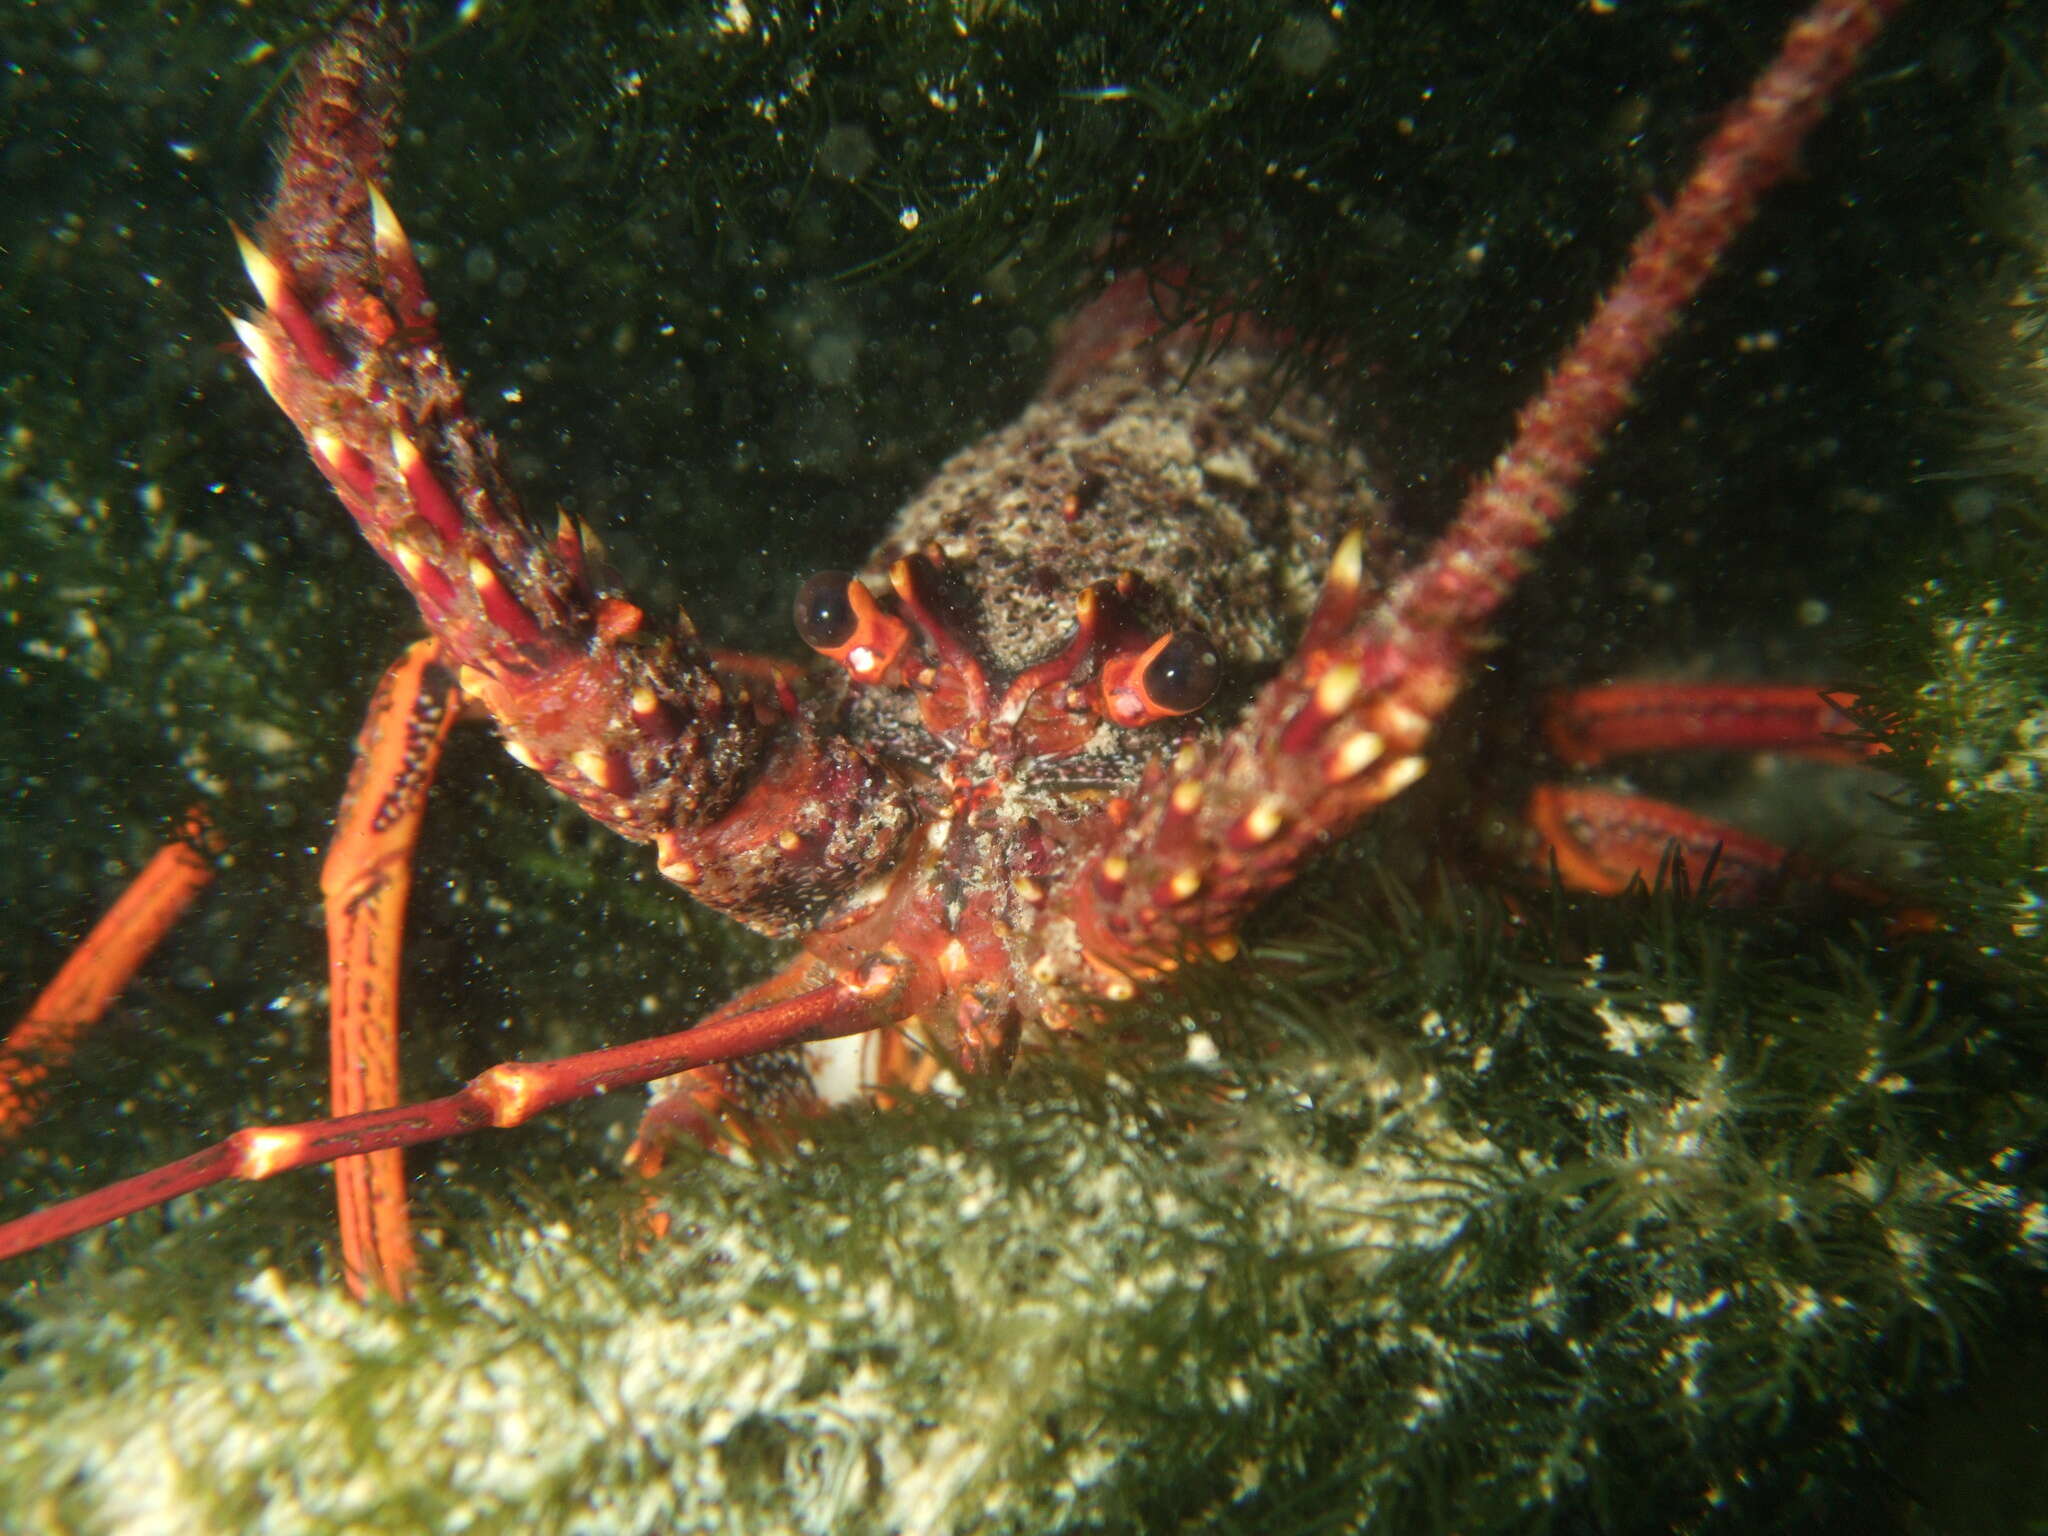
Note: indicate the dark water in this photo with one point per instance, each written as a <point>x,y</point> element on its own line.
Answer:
<point>730,300</point>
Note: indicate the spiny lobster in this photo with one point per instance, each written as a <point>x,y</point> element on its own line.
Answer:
<point>1005,809</point>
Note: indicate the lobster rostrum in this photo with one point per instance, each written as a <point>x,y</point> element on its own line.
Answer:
<point>1019,792</point>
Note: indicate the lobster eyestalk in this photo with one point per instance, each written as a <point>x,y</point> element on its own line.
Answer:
<point>633,721</point>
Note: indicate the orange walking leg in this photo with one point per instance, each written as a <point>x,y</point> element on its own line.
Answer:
<point>49,1033</point>
<point>1587,727</point>
<point>1600,840</point>
<point>365,884</point>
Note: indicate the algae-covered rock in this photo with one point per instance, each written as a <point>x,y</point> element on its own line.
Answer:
<point>1659,1233</point>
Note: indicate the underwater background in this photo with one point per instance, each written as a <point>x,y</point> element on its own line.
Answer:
<point>1626,1215</point>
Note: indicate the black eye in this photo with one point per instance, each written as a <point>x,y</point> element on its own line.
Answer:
<point>824,613</point>
<point>1183,675</point>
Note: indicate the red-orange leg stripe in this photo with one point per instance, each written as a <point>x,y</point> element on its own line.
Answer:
<point>49,1033</point>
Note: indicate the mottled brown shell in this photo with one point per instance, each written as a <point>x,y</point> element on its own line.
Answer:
<point>1220,493</point>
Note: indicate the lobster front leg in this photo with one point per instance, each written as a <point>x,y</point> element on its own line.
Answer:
<point>635,722</point>
<point>505,1096</point>
<point>365,884</point>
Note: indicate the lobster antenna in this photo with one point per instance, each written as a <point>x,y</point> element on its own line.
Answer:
<point>1476,563</point>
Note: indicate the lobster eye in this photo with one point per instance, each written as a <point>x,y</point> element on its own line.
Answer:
<point>1174,675</point>
<point>1181,675</point>
<point>839,619</point>
<point>825,615</point>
